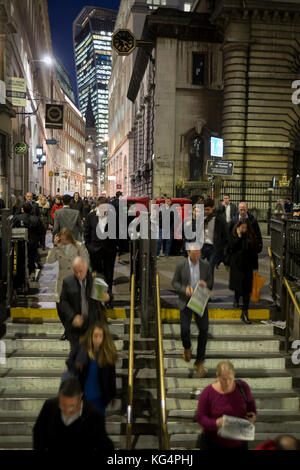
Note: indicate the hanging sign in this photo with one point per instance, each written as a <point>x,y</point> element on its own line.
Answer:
<point>54,116</point>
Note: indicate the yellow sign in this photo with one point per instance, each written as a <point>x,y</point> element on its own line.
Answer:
<point>51,173</point>
<point>16,91</point>
<point>284,181</point>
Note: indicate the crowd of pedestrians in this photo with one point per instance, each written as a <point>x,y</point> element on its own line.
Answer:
<point>231,236</point>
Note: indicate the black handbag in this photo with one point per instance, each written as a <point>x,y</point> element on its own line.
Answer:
<point>243,392</point>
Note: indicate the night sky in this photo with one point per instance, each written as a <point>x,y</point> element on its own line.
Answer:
<point>62,14</point>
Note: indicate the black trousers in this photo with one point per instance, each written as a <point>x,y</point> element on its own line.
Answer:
<point>104,263</point>
<point>246,299</point>
<point>202,324</point>
<point>205,444</point>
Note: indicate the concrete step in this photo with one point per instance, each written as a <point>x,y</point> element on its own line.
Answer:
<point>189,441</point>
<point>44,345</point>
<point>140,442</point>
<point>39,384</point>
<point>260,427</point>
<point>21,416</point>
<point>230,328</point>
<point>264,416</point>
<point>52,328</point>
<point>240,373</point>
<point>25,429</point>
<point>41,363</point>
<point>251,344</point>
<point>176,364</point>
<point>264,399</point>
<point>25,442</point>
<point>195,385</point>
<point>33,402</point>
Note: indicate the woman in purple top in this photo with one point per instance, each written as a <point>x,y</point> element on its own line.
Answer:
<point>224,397</point>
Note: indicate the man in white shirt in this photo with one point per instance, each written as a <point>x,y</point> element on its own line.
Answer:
<point>227,208</point>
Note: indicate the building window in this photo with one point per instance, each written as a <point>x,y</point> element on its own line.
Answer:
<point>198,68</point>
<point>196,158</point>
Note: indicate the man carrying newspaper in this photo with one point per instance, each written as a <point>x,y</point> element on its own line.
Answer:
<point>192,281</point>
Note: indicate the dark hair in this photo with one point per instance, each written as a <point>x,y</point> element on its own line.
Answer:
<point>66,199</point>
<point>27,208</point>
<point>251,236</point>
<point>279,446</point>
<point>102,200</point>
<point>226,194</point>
<point>209,202</point>
<point>70,388</point>
<point>119,193</point>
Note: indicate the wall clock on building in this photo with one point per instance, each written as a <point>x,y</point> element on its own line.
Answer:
<point>123,41</point>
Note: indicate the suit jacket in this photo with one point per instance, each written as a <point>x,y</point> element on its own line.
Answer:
<point>68,218</point>
<point>70,303</point>
<point>92,241</point>
<point>182,279</point>
<point>233,210</point>
<point>86,434</point>
<point>77,205</point>
<point>35,209</point>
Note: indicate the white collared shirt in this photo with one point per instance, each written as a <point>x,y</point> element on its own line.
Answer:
<point>195,273</point>
<point>73,418</point>
<point>102,222</point>
<point>209,232</point>
<point>227,212</point>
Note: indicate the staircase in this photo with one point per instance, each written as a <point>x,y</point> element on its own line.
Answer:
<point>35,362</point>
<point>255,352</point>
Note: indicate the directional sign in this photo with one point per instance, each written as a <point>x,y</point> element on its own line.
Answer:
<point>20,148</point>
<point>219,167</point>
<point>51,142</point>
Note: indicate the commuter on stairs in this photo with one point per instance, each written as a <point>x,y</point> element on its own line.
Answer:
<point>70,426</point>
<point>35,229</point>
<point>77,307</point>
<point>45,216</point>
<point>243,260</point>
<point>284,442</point>
<point>189,272</point>
<point>86,209</point>
<point>77,204</point>
<point>227,208</point>
<point>103,248</point>
<point>56,206</point>
<point>245,214</point>
<point>189,225</point>
<point>215,236</point>
<point>65,250</point>
<point>69,218</point>
<point>227,397</point>
<point>93,362</point>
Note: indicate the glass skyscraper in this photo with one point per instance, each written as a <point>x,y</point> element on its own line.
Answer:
<point>92,31</point>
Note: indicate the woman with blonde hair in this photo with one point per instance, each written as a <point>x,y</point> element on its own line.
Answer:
<point>93,362</point>
<point>65,250</point>
<point>229,397</point>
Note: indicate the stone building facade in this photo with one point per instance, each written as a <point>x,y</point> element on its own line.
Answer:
<point>260,124</point>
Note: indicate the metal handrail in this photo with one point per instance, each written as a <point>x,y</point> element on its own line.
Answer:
<point>165,436</point>
<point>130,366</point>
<point>290,295</point>
<point>272,262</point>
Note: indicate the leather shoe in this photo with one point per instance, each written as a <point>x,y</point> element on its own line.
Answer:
<point>245,318</point>
<point>201,371</point>
<point>187,355</point>
<point>63,337</point>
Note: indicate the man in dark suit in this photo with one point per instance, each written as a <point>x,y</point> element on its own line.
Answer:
<point>189,272</point>
<point>78,309</point>
<point>215,236</point>
<point>68,218</point>
<point>34,205</point>
<point>101,245</point>
<point>70,424</point>
<point>243,213</point>
<point>227,208</point>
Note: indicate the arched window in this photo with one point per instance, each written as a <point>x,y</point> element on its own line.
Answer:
<point>196,157</point>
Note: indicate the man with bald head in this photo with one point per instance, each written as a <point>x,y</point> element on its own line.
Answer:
<point>78,308</point>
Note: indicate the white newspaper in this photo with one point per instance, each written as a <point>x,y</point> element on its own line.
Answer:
<point>199,299</point>
<point>237,429</point>
<point>99,288</point>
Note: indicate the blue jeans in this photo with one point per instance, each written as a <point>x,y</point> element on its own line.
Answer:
<point>168,244</point>
<point>208,252</point>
